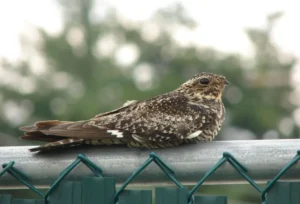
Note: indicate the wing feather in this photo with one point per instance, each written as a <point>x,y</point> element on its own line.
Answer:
<point>53,131</point>
<point>164,118</point>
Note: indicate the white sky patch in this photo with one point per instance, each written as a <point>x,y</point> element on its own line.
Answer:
<point>286,126</point>
<point>295,75</point>
<point>184,36</point>
<point>16,113</point>
<point>296,116</point>
<point>294,96</point>
<point>127,54</point>
<point>106,45</point>
<point>13,79</point>
<point>61,80</point>
<point>75,37</point>
<point>139,10</point>
<point>233,94</point>
<point>224,38</point>
<point>221,23</point>
<point>37,65</point>
<point>143,76</point>
<point>76,89</point>
<point>270,134</point>
<point>150,31</point>
<point>58,106</point>
<point>234,133</point>
<point>286,32</point>
<point>27,85</point>
<point>14,15</point>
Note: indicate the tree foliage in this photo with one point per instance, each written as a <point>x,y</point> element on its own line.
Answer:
<point>86,69</point>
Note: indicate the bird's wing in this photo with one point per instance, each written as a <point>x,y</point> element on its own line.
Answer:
<point>164,118</point>
<point>124,106</point>
<point>54,130</point>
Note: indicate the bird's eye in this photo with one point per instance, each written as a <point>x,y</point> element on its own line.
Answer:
<point>204,81</point>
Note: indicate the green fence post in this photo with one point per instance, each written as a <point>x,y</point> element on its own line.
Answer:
<point>171,195</point>
<point>284,193</point>
<point>67,193</point>
<point>98,190</point>
<point>28,201</point>
<point>210,200</point>
<point>135,197</point>
<point>5,199</point>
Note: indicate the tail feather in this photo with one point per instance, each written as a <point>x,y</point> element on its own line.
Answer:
<point>66,133</point>
<point>38,136</point>
<point>39,131</point>
<point>58,144</point>
<point>50,123</point>
<point>54,130</point>
<point>44,125</point>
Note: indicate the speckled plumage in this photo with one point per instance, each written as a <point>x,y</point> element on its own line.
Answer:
<point>192,113</point>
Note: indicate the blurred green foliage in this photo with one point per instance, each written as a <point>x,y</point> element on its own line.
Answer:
<point>81,77</point>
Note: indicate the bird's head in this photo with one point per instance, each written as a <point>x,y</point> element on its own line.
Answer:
<point>204,86</point>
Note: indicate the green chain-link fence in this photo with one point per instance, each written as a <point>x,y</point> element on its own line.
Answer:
<point>102,190</point>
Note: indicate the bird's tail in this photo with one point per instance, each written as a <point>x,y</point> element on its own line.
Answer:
<point>69,142</point>
<point>58,133</point>
<point>36,131</point>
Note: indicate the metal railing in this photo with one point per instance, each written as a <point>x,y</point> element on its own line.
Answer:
<point>263,158</point>
<point>248,161</point>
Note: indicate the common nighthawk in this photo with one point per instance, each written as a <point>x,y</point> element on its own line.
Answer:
<point>192,113</point>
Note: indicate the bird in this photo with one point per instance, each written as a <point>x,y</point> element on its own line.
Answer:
<point>192,113</point>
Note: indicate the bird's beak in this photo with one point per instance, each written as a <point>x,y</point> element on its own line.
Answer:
<point>226,82</point>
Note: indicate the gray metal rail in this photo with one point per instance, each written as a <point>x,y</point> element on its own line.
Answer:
<point>264,159</point>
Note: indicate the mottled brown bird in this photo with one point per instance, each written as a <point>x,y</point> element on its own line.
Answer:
<point>192,113</point>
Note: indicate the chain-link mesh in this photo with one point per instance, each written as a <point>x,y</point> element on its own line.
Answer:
<point>153,158</point>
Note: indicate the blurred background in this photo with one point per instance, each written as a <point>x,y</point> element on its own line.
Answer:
<point>70,60</point>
